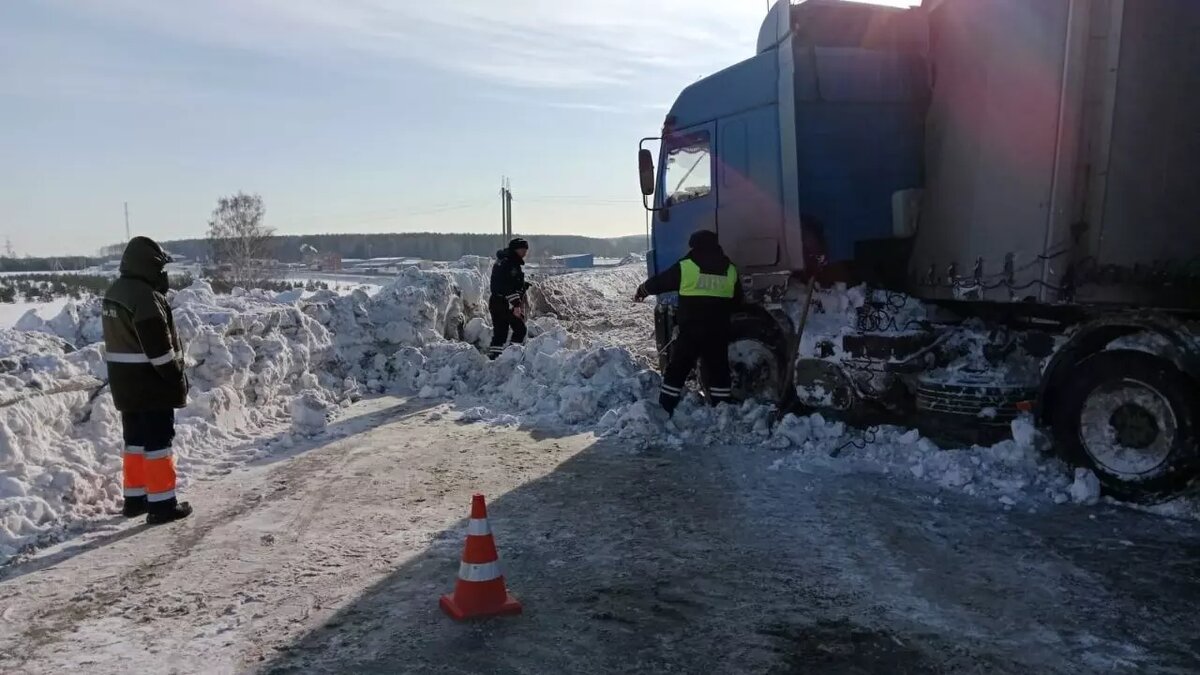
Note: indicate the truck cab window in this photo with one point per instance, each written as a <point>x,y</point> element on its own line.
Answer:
<point>689,168</point>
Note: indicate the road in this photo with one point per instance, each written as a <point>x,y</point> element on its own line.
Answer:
<point>685,560</point>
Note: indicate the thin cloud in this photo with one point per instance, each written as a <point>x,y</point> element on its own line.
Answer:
<point>590,107</point>
<point>519,43</point>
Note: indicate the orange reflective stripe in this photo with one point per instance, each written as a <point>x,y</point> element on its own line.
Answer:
<point>479,549</point>
<point>133,471</point>
<point>160,475</point>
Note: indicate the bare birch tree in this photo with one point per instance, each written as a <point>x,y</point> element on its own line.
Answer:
<point>240,242</point>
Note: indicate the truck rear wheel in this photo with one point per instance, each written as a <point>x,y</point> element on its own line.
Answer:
<point>1131,418</point>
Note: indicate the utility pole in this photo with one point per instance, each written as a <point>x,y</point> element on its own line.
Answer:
<point>505,211</point>
<point>8,248</point>
<point>508,208</point>
<point>127,235</point>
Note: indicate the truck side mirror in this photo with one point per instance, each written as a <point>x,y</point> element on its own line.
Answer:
<point>646,171</point>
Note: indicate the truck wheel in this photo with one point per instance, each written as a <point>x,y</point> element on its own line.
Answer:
<point>755,358</point>
<point>1131,418</point>
<point>754,370</point>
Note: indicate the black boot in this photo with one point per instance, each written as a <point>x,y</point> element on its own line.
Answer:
<point>669,403</point>
<point>175,512</point>
<point>134,507</point>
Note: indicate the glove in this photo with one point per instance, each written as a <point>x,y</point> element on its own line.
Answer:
<point>639,295</point>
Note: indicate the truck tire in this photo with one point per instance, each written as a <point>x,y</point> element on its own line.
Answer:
<point>1131,417</point>
<point>761,339</point>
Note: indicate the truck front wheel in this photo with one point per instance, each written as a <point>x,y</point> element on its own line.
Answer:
<point>1131,417</point>
<point>756,357</point>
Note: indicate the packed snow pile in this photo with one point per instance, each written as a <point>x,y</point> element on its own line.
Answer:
<point>260,364</point>
<point>594,294</point>
<point>1013,472</point>
<point>598,305</point>
<point>78,323</point>
<point>419,308</point>
<point>839,311</point>
<point>555,379</point>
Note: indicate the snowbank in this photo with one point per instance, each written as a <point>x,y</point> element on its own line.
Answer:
<point>1013,472</point>
<point>270,364</point>
<point>260,364</point>
<point>598,305</point>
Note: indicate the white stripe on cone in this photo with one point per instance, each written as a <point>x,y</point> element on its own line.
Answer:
<point>478,527</point>
<point>479,572</point>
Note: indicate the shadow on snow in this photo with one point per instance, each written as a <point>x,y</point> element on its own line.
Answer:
<point>704,560</point>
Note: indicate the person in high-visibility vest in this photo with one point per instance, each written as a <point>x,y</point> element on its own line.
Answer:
<point>709,290</point>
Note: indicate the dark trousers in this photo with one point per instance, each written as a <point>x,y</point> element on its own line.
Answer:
<point>149,463</point>
<point>711,346</point>
<point>503,321</point>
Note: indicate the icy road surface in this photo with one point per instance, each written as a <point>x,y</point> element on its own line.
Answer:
<point>332,558</point>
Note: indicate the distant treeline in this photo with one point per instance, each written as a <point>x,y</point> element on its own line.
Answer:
<point>47,287</point>
<point>425,245</point>
<point>45,264</point>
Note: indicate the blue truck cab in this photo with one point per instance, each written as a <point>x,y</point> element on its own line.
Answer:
<point>988,160</point>
<point>798,153</point>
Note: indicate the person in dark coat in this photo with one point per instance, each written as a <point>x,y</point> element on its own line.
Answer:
<point>145,372</point>
<point>709,290</point>
<point>507,300</point>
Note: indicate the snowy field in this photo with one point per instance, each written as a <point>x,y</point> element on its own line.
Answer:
<point>11,312</point>
<point>332,440</point>
<point>341,282</point>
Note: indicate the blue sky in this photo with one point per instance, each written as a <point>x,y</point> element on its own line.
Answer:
<point>346,115</point>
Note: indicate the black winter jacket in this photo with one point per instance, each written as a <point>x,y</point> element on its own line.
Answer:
<point>697,312</point>
<point>508,279</point>
<point>142,348</point>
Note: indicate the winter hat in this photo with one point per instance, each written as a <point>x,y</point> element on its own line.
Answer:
<point>704,240</point>
<point>517,244</point>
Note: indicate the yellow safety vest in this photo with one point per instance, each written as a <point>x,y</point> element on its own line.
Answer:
<point>695,284</point>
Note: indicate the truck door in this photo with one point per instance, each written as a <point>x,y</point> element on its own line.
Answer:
<point>750,206</point>
<point>687,190</point>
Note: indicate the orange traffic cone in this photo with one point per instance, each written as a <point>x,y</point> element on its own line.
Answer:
<point>480,589</point>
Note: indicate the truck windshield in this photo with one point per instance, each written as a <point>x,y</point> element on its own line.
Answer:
<point>689,169</point>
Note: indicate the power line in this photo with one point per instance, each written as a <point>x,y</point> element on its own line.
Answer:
<point>444,209</point>
<point>382,214</point>
<point>582,203</point>
<point>581,198</point>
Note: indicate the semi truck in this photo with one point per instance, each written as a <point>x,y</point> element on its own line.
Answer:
<point>1010,189</point>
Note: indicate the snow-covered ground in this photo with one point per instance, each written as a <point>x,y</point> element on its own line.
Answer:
<point>330,556</point>
<point>341,282</point>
